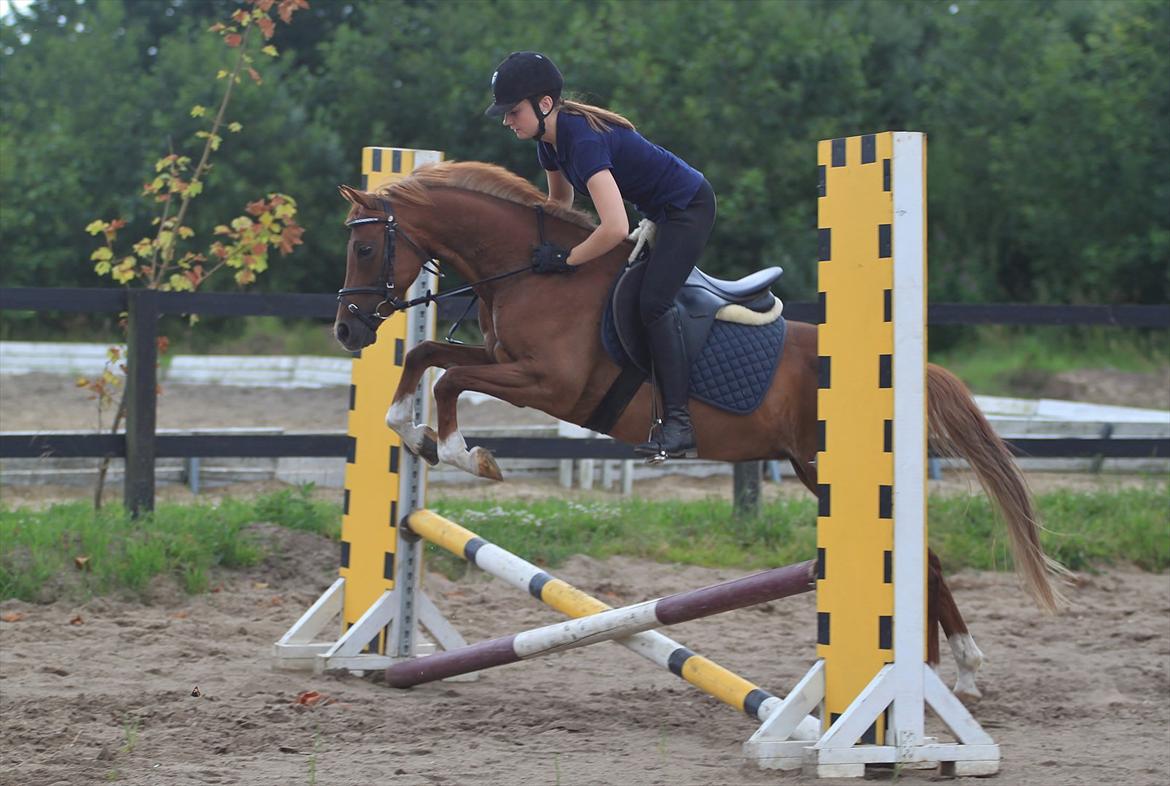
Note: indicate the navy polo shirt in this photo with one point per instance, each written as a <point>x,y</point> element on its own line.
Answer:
<point>649,176</point>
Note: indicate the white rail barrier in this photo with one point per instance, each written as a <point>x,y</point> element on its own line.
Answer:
<point>1011,417</point>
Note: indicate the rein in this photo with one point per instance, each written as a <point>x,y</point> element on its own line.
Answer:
<point>385,284</point>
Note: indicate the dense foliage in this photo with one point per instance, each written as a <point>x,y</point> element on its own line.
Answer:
<point>1048,121</point>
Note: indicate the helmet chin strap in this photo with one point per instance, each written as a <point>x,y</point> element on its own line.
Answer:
<point>540,116</point>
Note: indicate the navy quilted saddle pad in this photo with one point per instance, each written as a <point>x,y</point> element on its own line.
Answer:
<point>735,367</point>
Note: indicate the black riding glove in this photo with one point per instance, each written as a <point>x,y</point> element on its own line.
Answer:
<point>551,258</point>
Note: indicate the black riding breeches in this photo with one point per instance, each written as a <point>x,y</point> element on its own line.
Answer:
<point>682,235</point>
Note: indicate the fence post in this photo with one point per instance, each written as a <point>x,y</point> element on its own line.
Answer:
<point>747,477</point>
<point>1099,460</point>
<point>141,399</point>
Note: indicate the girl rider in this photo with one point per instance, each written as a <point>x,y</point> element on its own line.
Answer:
<point>584,148</point>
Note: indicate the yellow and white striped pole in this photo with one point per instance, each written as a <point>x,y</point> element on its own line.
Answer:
<point>703,673</point>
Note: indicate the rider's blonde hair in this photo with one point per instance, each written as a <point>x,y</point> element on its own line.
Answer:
<point>600,120</point>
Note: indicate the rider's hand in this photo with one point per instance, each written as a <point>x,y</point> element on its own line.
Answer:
<point>551,258</point>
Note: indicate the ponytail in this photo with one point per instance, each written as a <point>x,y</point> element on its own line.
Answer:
<point>600,120</point>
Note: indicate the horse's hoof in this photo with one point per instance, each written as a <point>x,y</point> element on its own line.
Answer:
<point>428,447</point>
<point>967,691</point>
<point>428,451</point>
<point>485,464</point>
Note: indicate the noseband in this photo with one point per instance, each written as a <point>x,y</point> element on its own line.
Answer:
<point>384,286</point>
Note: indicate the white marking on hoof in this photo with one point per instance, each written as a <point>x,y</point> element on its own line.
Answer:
<point>400,418</point>
<point>968,659</point>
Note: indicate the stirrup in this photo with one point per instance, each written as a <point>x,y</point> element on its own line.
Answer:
<point>653,459</point>
<point>661,457</point>
<point>659,454</point>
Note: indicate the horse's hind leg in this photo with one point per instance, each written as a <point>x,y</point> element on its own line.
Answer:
<point>936,586</point>
<point>968,656</point>
<point>940,610</point>
<point>419,438</point>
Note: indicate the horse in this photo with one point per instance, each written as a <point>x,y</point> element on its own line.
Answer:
<point>542,349</point>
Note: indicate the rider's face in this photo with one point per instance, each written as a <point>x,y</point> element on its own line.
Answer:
<point>522,120</point>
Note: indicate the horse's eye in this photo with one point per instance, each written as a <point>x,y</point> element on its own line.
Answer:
<point>364,250</point>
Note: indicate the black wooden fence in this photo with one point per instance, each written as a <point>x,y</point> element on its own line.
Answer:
<point>140,445</point>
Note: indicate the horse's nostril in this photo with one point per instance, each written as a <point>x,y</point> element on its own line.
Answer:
<point>341,331</point>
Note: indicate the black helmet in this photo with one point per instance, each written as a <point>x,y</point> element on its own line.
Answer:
<point>524,75</point>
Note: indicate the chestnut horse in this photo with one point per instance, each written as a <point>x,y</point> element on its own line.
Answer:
<point>542,349</point>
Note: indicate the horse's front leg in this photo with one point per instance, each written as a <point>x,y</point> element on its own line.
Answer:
<point>419,438</point>
<point>517,383</point>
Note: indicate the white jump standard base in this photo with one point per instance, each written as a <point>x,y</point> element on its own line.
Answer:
<point>837,755</point>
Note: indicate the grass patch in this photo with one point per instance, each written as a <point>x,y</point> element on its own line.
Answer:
<point>72,549</point>
<point>295,508</point>
<point>253,335</point>
<point>705,532</point>
<point>37,548</point>
<point>1083,530</point>
<point>1006,360</point>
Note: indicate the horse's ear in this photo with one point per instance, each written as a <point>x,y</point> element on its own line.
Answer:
<point>358,198</point>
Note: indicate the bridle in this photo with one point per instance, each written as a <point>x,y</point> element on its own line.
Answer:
<point>384,286</point>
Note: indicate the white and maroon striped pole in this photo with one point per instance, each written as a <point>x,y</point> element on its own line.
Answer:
<point>607,625</point>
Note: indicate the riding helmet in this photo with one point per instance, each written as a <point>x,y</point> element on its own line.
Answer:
<point>524,75</point>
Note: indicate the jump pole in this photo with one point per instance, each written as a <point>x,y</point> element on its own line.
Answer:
<point>606,625</point>
<point>663,651</point>
<point>871,682</point>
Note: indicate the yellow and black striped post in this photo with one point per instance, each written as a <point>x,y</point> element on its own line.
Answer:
<point>369,535</point>
<point>871,680</point>
<point>855,411</point>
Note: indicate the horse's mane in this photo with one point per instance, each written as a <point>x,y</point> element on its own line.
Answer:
<point>484,178</point>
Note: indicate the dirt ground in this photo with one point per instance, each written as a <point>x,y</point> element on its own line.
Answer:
<point>101,691</point>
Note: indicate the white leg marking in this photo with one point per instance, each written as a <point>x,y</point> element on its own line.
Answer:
<point>968,659</point>
<point>400,418</point>
<point>453,450</point>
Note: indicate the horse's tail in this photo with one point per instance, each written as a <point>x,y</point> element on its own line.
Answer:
<point>958,428</point>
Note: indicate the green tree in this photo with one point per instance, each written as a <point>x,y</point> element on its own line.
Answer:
<point>1048,182</point>
<point>1048,157</point>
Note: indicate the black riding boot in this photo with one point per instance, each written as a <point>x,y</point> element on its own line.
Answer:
<point>675,438</point>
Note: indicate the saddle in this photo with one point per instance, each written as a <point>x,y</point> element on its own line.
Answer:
<point>732,330</point>
<point>699,302</point>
